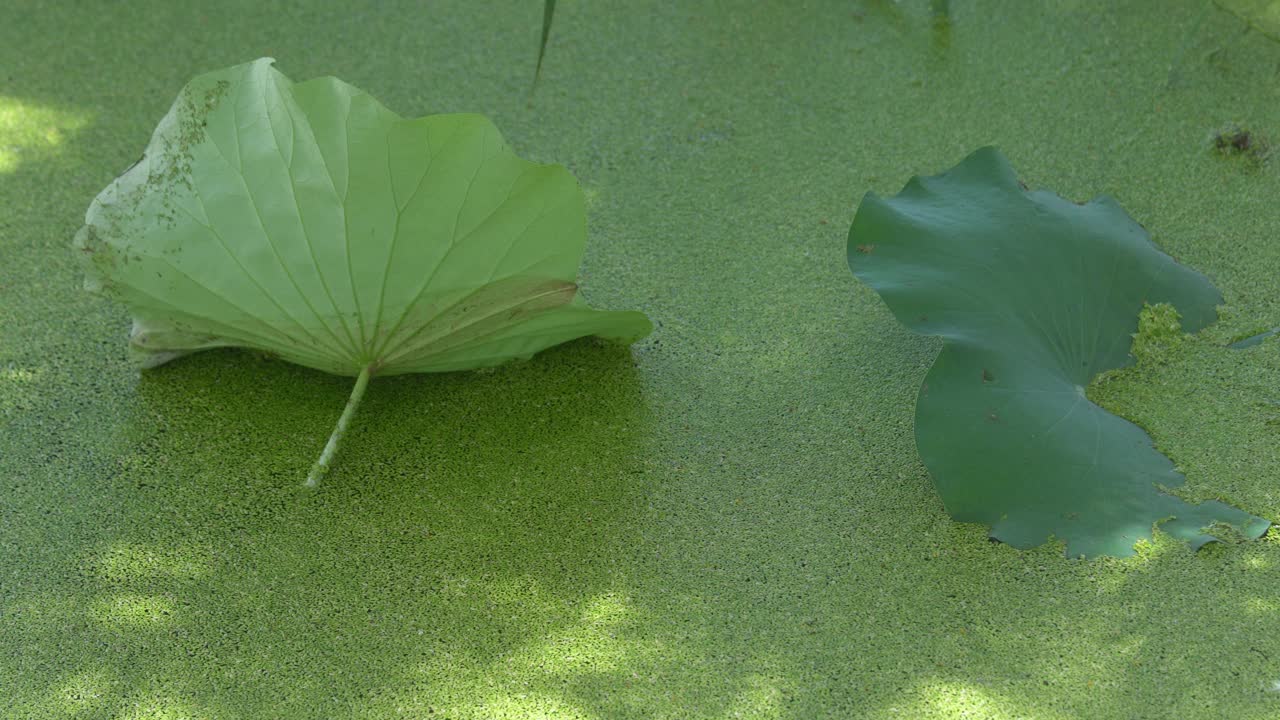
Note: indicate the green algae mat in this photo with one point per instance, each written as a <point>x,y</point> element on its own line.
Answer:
<point>729,518</point>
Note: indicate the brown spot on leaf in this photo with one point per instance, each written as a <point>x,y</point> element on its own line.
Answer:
<point>865,249</point>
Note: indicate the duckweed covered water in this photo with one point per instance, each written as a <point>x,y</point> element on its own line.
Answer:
<point>730,519</point>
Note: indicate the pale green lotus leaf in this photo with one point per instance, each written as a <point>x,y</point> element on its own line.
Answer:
<point>308,221</point>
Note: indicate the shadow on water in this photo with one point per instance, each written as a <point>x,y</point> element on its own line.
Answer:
<point>467,515</point>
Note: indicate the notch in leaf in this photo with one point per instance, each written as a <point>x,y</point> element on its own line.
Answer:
<point>308,221</point>
<point>1033,296</point>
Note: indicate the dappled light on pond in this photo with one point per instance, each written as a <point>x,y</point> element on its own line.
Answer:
<point>954,699</point>
<point>30,131</point>
<point>132,610</point>
<point>123,562</point>
<point>16,384</point>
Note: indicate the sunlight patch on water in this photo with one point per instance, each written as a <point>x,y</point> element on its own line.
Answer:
<point>956,699</point>
<point>83,692</point>
<point>31,131</point>
<point>16,384</point>
<point>130,610</point>
<point>126,561</point>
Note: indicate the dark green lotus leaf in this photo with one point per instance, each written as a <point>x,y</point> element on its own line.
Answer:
<point>1033,296</point>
